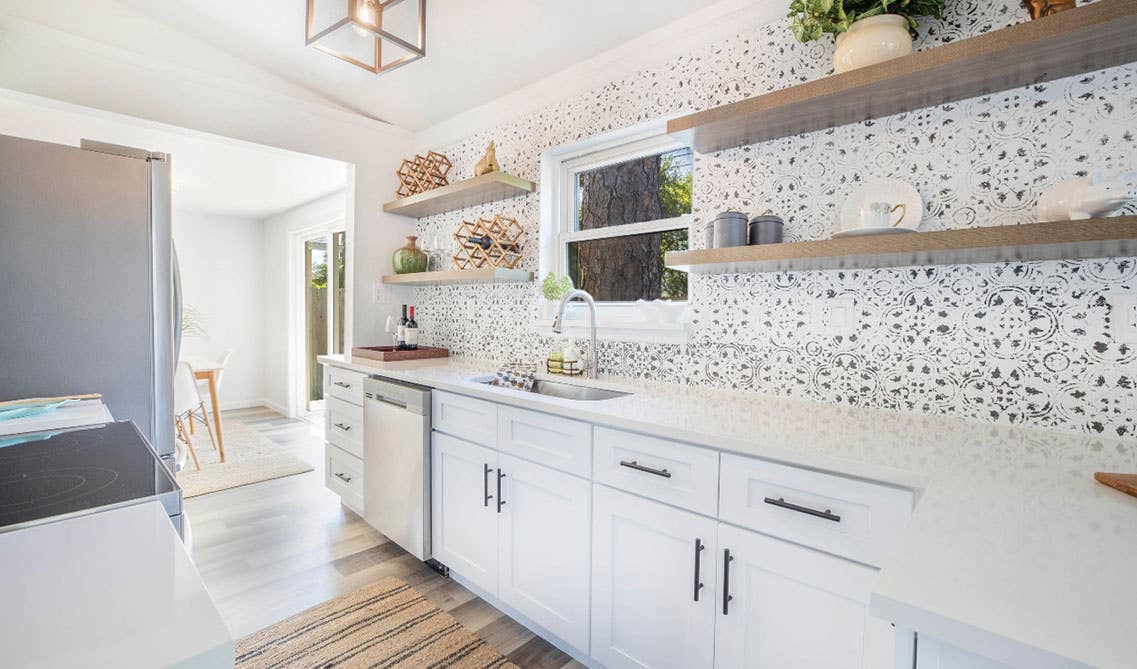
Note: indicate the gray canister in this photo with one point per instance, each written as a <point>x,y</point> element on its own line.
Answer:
<point>766,229</point>
<point>730,229</point>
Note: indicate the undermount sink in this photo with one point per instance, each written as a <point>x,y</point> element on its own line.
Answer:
<point>567,391</point>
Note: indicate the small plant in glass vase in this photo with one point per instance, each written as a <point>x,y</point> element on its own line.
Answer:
<point>867,31</point>
<point>553,288</point>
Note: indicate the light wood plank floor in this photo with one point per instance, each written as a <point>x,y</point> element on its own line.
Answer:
<point>269,550</point>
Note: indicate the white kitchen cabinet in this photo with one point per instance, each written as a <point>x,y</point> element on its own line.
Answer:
<point>790,606</point>
<point>645,575</point>
<point>544,538</point>
<point>464,516</point>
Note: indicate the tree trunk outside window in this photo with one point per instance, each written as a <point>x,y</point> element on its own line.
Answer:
<point>623,269</point>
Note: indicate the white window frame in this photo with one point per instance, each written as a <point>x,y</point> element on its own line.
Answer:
<point>559,167</point>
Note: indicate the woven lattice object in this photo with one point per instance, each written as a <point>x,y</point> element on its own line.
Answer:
<point>488,243</point>
<point>422,173</point>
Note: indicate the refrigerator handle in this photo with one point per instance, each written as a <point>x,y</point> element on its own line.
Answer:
<point>177,301</point>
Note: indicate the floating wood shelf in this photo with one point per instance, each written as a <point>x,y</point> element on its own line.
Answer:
<point>1091,37</point>
<point>479,190</point>
<point>1097,238</point>
<point>487,275</point>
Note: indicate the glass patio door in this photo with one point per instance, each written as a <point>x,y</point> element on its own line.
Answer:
<point>324,294</point>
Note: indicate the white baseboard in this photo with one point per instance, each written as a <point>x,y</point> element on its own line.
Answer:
<point>282,410</point>
<point>241,404</point>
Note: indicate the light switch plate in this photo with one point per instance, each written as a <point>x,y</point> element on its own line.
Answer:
<point>1123,318</point>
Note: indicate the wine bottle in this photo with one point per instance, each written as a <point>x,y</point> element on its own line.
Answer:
<point>412,331</point>
<point>402,331</point>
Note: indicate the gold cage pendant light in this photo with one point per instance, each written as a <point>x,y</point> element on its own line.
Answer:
<point>369,32</point>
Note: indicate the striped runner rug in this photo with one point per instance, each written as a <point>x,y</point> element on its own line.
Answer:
<point>387,624</point>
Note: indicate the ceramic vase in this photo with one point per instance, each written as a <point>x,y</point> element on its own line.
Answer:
<point>871,41</point>
<point>410,258</point>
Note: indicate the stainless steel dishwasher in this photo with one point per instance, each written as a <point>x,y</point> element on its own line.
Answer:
<point>396,462</point>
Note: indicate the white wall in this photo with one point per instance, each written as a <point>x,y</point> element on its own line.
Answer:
<point>221,268</point>
<point>116,70</point>
<point>280,278</point>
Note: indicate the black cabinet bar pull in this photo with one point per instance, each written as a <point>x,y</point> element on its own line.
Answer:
<point>641,468</point>
<point>344,427</point>
<point>344,477</point>
<point>826,514</point>
<point>486,485</point>
<point>500,501</point>
<point>726,596</point>
<point>698,572</point>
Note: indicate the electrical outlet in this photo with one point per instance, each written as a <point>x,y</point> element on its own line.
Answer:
<point>1123,318</point>
<point>837,317</point>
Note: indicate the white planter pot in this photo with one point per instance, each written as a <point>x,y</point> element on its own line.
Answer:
<point>871,41</point>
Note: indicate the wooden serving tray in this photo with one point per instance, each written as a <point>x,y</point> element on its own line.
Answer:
<point>389,354</point>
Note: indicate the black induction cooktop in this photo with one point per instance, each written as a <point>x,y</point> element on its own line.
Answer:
<point>53,475</point>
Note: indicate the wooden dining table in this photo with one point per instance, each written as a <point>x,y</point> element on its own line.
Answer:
<point>209,371</point>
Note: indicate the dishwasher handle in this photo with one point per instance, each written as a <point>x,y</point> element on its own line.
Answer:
<point>386,400</point>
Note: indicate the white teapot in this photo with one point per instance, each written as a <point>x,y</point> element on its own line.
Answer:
<point>1083,197</point>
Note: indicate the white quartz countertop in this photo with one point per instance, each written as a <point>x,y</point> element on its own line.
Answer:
<point>1013,551</point>
<point>109,589</point>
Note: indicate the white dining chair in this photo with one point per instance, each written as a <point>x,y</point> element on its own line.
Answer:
<point>187,402</point>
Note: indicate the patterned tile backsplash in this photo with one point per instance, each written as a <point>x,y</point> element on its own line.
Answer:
<point>1011,342</point>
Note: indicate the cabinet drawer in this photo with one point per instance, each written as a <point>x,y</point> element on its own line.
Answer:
<point>839,515</point>
<point>465,418</point>
<point>553,441</point>
<point>343,424</point>
<point>669,471</point>
<point>344,476</point>
<point>343,384</point>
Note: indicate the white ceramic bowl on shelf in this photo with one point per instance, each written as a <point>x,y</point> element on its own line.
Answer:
<point>871,41</point>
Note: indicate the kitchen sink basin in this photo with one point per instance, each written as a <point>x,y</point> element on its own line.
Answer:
<point>569,391</point>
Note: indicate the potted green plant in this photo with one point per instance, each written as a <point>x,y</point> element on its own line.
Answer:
<point>867,31</point>
<point>553,288</point>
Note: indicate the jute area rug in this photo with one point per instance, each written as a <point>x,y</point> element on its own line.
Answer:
<point>250,457</point>
<point>384,625</point>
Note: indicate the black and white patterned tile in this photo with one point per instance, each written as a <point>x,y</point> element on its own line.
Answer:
<point>1011,342</point>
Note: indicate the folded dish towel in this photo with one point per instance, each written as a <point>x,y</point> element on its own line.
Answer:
<point>516,375</point>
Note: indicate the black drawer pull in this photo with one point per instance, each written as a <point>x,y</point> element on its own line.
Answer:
<point>343,477</point>
<point>486,485</point>
<point>698,572</point>
<point>726,596</point>
<point>500,501</point>
<point>826,514</point>
<point>341,384</point>
<point>641,468</point>
<point>344,427</point>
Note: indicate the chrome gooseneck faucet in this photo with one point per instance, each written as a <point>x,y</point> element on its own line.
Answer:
<point>591,364</point>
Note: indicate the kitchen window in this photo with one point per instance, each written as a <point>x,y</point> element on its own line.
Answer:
<point>616,206</point>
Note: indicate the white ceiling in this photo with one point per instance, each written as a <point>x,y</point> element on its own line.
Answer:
<point>210,173</point>
<point>477,50</point>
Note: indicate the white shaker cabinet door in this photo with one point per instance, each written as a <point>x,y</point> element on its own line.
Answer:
<point>791,606</point>
<point>644,584</point>
<point>464,514</point>
<point>545,542</point>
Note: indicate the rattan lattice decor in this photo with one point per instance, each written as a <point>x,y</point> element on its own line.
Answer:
<point>422,173</point>
<point>493,243</point>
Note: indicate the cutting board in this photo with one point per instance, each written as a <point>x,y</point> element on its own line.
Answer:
<point>389,354</point>
<point>1126,483</point>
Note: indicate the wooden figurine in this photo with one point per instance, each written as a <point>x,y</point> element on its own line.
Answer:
<point>488,163</point>
<point>1041,8</point>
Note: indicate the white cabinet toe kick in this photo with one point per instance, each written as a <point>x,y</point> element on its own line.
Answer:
<point>635,552</point>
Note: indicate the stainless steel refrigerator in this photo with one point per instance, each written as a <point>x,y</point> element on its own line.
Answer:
<point>89,300</point>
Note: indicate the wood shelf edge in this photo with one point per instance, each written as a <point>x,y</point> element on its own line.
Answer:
<point>1047,239</point>
<point>474,184</point>
<point>494,275</point>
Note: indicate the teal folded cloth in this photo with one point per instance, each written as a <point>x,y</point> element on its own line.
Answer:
<point>518,375</point>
